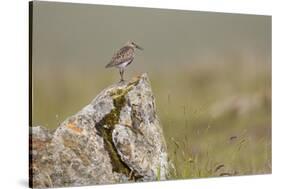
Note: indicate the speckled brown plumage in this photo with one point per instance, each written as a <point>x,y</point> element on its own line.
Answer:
<point>123,57</point>
<point>125,54</point>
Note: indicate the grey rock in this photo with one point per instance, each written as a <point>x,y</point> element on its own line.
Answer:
<point>41,157</point>
<point>116,138</point>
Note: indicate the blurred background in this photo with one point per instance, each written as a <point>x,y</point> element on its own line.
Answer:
<point>210,73</point>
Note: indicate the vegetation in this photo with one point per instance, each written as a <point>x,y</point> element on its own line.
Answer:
<point>216,117</point>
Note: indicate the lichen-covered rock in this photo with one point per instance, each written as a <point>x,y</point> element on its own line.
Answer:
<point>116,138</point>
<point>40,157</point>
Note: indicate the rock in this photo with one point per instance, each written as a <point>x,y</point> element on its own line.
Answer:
<point>116,138</point>
<point>40,157</point>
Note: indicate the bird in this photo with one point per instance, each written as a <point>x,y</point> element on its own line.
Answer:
<point>123,57</point>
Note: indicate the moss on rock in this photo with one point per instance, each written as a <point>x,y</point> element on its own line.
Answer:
<point>106,125</point>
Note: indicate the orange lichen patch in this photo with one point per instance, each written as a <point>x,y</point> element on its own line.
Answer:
<point>38,144</point>
<point>135,79</point>
<point>73,127</point>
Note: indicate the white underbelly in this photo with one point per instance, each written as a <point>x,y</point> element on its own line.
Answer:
<point>124,64</point>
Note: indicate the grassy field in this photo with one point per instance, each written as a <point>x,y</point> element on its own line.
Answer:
<point>216,117</point>
<point>219,121</point>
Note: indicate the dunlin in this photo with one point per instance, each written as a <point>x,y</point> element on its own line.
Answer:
<point>123,57</point>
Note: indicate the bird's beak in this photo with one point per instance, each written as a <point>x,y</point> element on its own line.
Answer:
<point>138,47</point>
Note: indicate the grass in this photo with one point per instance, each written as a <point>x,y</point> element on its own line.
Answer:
<point>213,132</point>
<point>216,117</point>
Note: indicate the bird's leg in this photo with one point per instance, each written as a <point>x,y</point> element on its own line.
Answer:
<point>121,70</point>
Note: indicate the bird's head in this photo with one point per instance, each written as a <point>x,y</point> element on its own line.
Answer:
<point>134,45</point>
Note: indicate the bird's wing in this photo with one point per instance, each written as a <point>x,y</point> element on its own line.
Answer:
<point>123,55</point>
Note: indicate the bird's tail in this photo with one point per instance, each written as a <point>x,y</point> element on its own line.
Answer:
<point>108,65</point>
